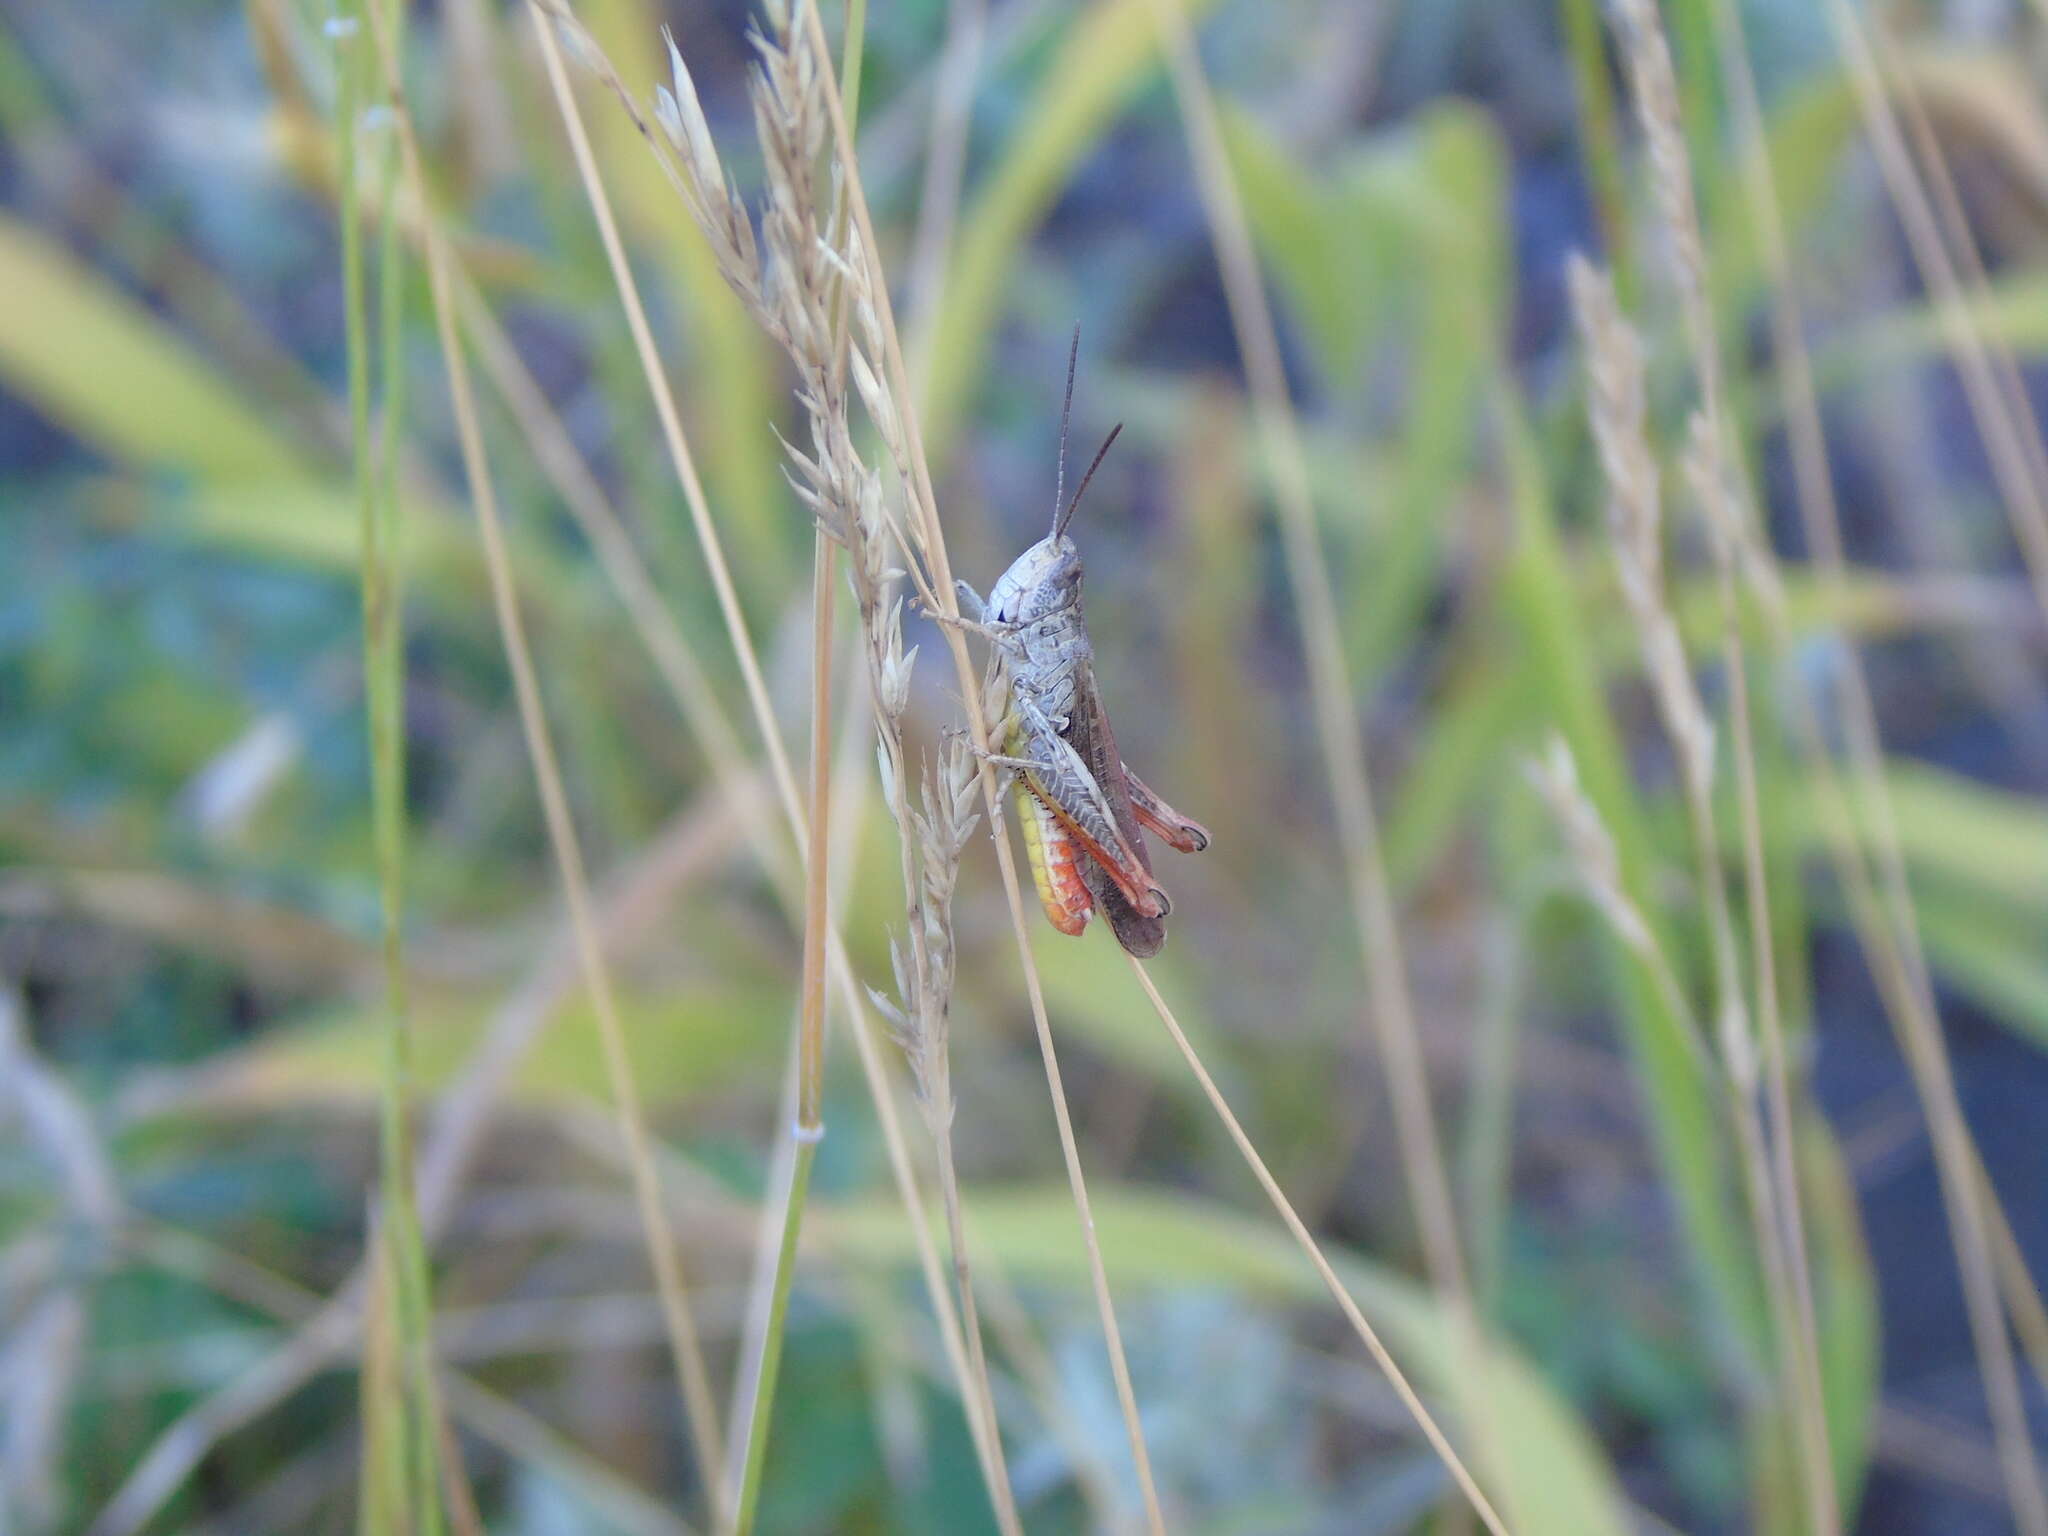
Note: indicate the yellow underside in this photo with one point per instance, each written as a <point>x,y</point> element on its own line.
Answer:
<point>1041,832</point>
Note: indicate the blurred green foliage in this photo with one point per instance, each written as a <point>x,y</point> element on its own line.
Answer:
<point>188,899</point>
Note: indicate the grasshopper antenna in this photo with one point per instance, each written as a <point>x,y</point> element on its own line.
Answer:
<point>1060,523</point>
<point>1059,490</point>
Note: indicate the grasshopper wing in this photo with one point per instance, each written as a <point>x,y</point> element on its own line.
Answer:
<point>1089,734</point>
<point>1096,811</point>
<point>1143,936</point>
<point>1140,932</point>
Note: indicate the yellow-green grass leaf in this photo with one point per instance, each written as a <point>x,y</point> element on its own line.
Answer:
<point>1991,955</point>
<point>1540,1459</point>
<point>1964,835</point>
<point>1106,53</point>
<point>97,363</point>
<point>682,1043</point>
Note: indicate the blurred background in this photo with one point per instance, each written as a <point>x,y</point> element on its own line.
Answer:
<point>191,998</point>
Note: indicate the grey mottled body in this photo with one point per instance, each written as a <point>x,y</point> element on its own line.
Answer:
<point>1085,807</point>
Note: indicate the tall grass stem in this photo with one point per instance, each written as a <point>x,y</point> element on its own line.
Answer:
<point>934,546</point>
<point>683,463</point>
<point>409,1423</point>
<point>663,1250</point>
<point>808,1129</point>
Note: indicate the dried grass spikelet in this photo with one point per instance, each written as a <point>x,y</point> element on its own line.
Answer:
<point>1655,87</point>
<point>943,820</point>
<point>805,281</point>
<point>1724,511</point>
<point>1596,864</point>
<point>1555,777</point>
<point>1614,369</point>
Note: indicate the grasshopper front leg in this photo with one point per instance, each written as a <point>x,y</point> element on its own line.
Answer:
<point>972,618</point>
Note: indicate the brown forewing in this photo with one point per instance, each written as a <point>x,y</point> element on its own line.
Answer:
<point>1089,734</point>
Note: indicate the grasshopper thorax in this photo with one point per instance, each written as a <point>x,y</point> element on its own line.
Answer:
<point>1044,580</point>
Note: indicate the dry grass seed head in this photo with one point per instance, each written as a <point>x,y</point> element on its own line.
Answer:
<point>1588,843</point>
<point>1727,515</point>
<point>1655,87</point>
<point>803,289</point>
<point>1615,406</point>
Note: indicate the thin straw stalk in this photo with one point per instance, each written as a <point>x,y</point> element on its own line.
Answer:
<point>663,1249</point>
<point>683,463</point>
<point>809,1127</point>
<point>1373,907</point>
<point>1372,900</point>
<point>1884,917</point>
<point>2005,420</point>
<point>1396,1377</point>
<point>409,1417</point>
<point>933,546</point>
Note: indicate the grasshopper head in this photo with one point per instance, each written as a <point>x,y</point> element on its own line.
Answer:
<point>1045,579</point>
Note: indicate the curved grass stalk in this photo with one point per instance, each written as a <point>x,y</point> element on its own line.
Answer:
<point>1368,1335</point>
<point>974,1395</point>
<point>1884,917</point>
<point>1985,365</point>
<point>931,542</point>
<point>401,1396</point>
<point>1372,900</point>
<point>663,1250</point>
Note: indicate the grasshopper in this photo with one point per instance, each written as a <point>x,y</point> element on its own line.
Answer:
<point>1082,809</point>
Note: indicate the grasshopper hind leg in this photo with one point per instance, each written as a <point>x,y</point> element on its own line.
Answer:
<point>1153,813</point>
<point>1059,777</point>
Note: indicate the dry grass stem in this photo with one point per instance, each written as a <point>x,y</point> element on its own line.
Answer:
<point>1635,520</point>
<point>1372,899</point>
<point>708,539</point>
<point>1343,751</point>
<point>1880,900</point>
<point>1368,1335</point>
<point>1999,403</point>
<point>663,1249</point>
